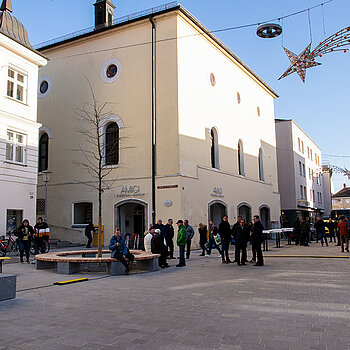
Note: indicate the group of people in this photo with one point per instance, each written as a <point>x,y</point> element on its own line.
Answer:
<point>335,229</point>
<point>25,234</point>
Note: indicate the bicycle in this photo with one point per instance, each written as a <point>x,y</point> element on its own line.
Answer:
<point>46,244</point>
<point>2,249</point>
<point>11,244</point>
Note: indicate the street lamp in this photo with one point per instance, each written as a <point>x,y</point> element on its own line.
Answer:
<point>46,178</point>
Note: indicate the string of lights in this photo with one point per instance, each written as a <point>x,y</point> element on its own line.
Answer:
<point>205,32</point>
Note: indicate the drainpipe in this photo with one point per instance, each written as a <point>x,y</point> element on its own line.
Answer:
<point>154,117</point>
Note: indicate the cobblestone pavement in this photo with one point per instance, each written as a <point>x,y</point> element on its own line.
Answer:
<point>290,303</point>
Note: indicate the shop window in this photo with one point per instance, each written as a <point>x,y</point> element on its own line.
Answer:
<point>13,219</point>
<point>82,213</point>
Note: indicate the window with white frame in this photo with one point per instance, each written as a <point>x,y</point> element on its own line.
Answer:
<point>16,147</point>
<point>17,85</point>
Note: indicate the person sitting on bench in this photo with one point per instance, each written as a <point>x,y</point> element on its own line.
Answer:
<point>120,252</point>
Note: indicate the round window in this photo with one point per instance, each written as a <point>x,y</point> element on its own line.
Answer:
<point>212,79</point>
<point>238,97</point>
<point>112,71</point>
<point>44,86</point>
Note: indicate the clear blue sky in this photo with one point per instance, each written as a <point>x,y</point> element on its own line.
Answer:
<point>320,106</point>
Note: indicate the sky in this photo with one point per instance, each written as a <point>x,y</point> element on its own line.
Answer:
<point>318,106</point>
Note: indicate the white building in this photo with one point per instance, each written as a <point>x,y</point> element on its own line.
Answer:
<point>19,64</point>
<point>299,172</point>
<point>213,119</point>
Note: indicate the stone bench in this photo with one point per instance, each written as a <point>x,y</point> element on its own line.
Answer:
<point>1,260</point>
<point>69,262</point>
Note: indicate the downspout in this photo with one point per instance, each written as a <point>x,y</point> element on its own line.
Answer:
<point>154,117</point>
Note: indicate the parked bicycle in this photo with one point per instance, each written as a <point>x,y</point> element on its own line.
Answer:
<point>11,243</point>
<point>46,247</point>
<point>2,249</point>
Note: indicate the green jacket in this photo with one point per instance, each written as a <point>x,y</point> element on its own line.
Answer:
<point>182,235</point>
<point>305,227</point>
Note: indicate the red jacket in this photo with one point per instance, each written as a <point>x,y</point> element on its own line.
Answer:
<point>343,228</point>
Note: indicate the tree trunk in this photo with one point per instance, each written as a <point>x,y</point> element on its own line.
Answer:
<point>99,237</point>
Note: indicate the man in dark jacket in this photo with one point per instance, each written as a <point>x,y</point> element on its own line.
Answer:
<point>297,231</point>
<point>213,233</point>
<point>305,230</point>
<point>41,235</point>
<point>190,234</point>
<point>241,234</point>
<point>119,251</point>
<point>169,236</point>
<point>331,229</point>
<point>89,229</point>
<point>159,225</point>
<point>158,247</point>
<point>256,237</point>
<point>226,235</point>
<point>320,227</point>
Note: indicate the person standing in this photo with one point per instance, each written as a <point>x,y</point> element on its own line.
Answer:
<point>305,230</point>
<point>203,230</point>
<point>226,235</point>
<point>169,236</point>
<point>320,227</point>
<point>343,230</point>
<point>147,241</point>
<point>241,234</point>
<point>89,229</point>
<point>158,247</point>
<point>331,229</point>
<point>297,230</point>
<point>25,234</point>
<point>213,233</point>
<point>256,237</point>
<point>159,225</point>
<point>181,242</point>
<point>190,234</point>
<point>120,251</point>
<point>41,235</point>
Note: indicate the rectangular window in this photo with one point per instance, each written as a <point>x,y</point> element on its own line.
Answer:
<point>13,219</point>
<point>15,147</point>
<point>310,174</point>
<point>301,191</point>
<point>304,170</point>
<point>17,85</point>
<point>320,197</point>
<point>299,145</point>
<point>305,192</point>
<point>82,213</point>
<point>308,152</point>
<point>302,147</point>
<point>311,154</point>
<point>300,169</point>
<point>311,197</point>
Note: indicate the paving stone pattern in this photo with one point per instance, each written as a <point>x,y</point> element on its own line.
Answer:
<point>287,304</point>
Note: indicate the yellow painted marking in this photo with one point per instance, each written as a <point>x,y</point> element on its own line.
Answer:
<point>5,258</point>
<point>70,281</point>
<point>309,256</point>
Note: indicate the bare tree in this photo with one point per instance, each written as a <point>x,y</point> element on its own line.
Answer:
<point>94,152</point>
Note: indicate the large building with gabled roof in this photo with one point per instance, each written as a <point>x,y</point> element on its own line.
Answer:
<point>192,125</point>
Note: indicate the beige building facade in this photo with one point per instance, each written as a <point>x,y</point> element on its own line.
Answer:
<point>212,117</point>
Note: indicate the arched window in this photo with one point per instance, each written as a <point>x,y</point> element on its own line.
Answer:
<point>214,149</point>
<point>43,152</point>
<point>261,164</point>
<point>240,159</point>
<point>112,144</point>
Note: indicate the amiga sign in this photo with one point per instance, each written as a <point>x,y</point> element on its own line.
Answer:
<point>128,191</point>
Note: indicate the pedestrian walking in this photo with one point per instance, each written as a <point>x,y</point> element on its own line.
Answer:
<point>120,251</point>
<point>147,241</point>
<point>89,230</point>
<point>214,238</point>
<point>158,247</point>
<point>297,230</point>
<point>41,235</point>
<point>190,234</point>
<point>241,234</point>
<point>256,237</point>
<point>169,237</point>
<point>331,229</point>
<point>24,234</point>
<point>305,230</point>
<point>226,236</point>
<point>343,230</point>
<point>203,231</point>
<point>320,227</point>
<point>181,242</point>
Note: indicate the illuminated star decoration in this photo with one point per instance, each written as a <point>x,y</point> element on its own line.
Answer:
<point>306,60</point>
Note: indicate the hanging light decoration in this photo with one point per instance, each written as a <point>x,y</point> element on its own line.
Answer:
<point>306,59</point>
<point>269,31</point>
